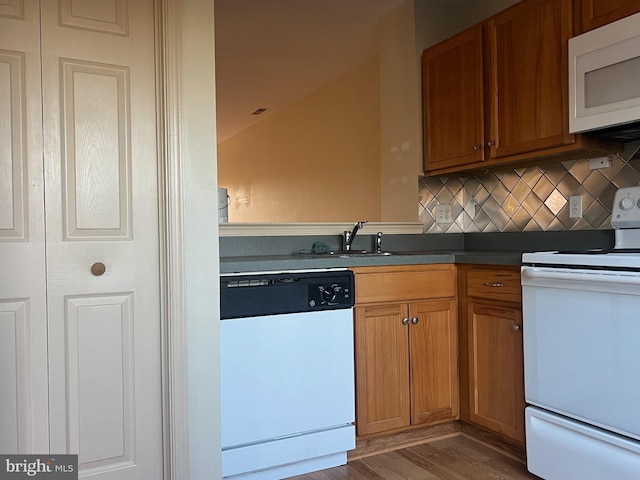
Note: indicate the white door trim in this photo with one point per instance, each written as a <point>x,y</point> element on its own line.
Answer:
<point>189,255</point>
<point>173,332</point>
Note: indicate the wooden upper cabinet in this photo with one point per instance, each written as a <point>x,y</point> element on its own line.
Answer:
<point>453,101</point>
<point>590,14</point>
<point>529,95</point>
<point>497,93</point>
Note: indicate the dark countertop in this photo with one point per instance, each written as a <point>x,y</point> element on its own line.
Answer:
<point>304,262</point>
<point>261,254</point>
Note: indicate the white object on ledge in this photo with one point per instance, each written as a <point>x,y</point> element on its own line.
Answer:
<point>223,205</point>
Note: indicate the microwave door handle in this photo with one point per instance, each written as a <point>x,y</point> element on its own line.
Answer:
<point>582,277</point>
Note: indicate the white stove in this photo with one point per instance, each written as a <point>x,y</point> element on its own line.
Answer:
<point>625,219</point>
<point>581,325</point>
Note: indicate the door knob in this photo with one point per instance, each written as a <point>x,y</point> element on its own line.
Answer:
<point>415,320</point>
<point>98,268</point>
<point>405,321</point>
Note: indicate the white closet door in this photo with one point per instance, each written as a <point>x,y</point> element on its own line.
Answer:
<point>101,196</point>
<point>23,323</point>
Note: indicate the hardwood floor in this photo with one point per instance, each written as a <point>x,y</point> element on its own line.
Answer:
<point>454,458</point>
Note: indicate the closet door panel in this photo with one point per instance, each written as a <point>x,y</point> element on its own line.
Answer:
<point>23,322</point>
<point>101,421</point>
<point>96,169</point>
<point>102,236</point>
<point>107,16</point>
<point>13,168</point>
<point>14,361</point>
<point>12,8</point>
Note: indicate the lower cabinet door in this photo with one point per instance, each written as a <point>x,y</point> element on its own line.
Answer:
<point>433,353</point>
<point>382,368</point>
<point>496,385</point>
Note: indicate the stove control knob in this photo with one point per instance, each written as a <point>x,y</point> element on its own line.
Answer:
<point>626,203</point>
<point>328,294</point>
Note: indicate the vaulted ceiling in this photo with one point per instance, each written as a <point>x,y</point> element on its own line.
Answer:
<point>270,53</point>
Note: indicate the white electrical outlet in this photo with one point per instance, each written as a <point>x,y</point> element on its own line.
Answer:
<point>443,214</point>
<point>600,162</point>
<point>575,206</point>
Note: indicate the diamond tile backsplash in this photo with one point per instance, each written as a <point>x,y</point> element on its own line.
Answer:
<point>527,199</point>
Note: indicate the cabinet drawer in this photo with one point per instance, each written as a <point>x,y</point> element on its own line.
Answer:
<point>495,285</point>
<point>375,285</point>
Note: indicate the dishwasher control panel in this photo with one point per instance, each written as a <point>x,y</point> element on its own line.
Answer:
<point>331,294</point>
<point>259,294</point>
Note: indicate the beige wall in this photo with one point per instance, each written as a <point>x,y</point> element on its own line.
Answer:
<point>400,116</point>
<point>404,34</point>
<point>353,149</point>
<point>316,160</point>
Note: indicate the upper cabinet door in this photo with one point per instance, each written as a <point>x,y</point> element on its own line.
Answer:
<point>590,14</point>
<point>528,55</point>
<point>453,101</point>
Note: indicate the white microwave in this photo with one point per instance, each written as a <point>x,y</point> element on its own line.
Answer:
<point>604,80</point>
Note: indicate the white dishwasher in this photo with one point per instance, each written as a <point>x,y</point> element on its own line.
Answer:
<point>287,372</point>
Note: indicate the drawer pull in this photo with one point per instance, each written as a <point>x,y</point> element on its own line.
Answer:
<point>493,284</point>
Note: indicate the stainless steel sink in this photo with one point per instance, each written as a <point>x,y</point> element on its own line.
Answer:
<point>351,253</point>
<point>361,253</point>
<point>348,253</point>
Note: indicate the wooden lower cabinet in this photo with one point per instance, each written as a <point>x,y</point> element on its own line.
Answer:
<point>382,368</point>
<point>496,369</point>
<point>433,361</point>
<point>491,356</point>
<point>406,355</point>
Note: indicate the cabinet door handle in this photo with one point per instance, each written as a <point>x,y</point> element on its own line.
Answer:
<point>493,284</point>
<point>491,143</point>
<point>405,321</point>
<point>415,320</point>
<point>515,328</point>
<point>476,147</point>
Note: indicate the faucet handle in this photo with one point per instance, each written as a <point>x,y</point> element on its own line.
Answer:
<point>379,242</point>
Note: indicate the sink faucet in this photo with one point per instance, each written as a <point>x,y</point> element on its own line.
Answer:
<point>350,235</point>
<point>379,242</point>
